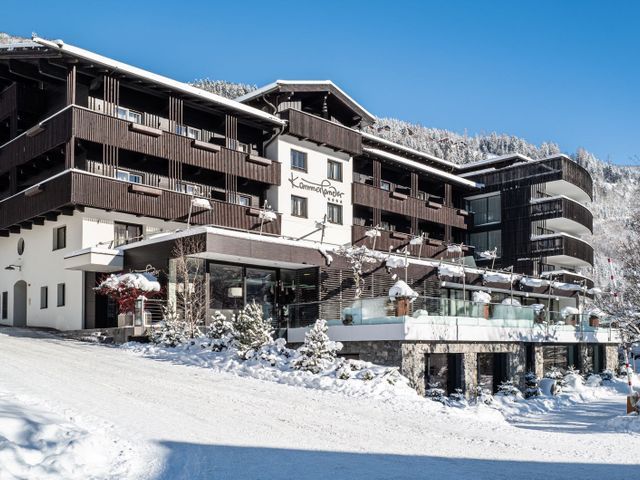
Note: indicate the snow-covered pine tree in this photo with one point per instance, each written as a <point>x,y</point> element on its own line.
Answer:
<point>172,331</point>
<point>531,385</point>
<point>318,351</point>
<point>251,331</point>
<point>220,331</point>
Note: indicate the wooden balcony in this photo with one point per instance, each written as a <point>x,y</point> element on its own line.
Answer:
<point>323,132</point>
<point>104,129</point>
<point>73,189</point>
<point>370,196</point>
<point>562,250</point>
<point>395,241</point>
<point>562,208</point>
<point>108,130</point>
<point>538,172</point>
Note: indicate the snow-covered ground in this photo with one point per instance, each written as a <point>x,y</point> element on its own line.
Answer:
<point>76,410</point>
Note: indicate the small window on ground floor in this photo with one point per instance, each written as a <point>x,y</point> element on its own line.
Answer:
<point>61,295</point>
<point>44,297</point>
<point>5,305</point>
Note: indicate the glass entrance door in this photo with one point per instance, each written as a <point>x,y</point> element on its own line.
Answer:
<point>260,285</point>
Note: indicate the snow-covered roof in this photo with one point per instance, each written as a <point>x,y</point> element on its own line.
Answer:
<point>498,159</point>
<point>184,88</point>
<point>409,150</point>
<point>419,166</point>
<point>321,83</point>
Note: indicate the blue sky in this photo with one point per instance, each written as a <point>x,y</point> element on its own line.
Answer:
<point>564,71</point>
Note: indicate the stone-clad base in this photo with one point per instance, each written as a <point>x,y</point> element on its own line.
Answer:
<point>410,358</point>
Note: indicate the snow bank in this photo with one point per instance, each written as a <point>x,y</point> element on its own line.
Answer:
<point>36,443</point>
<point>533,282</point>
<point>142,281</point>
<point>274,365</point>
<point>394,261</point>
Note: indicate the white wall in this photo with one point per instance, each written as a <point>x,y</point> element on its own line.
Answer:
<point>316,175</point>
<point>43,266</point>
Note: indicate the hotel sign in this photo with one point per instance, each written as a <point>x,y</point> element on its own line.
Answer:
<point>325,187</point>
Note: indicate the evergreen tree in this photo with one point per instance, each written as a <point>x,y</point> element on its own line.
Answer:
<point>318,351</point>
<point>172,331</point>
<point>220,331</point>
<point>251,331</point>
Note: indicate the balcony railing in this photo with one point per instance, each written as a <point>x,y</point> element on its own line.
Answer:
<point>561,207</point>
<point>561,244</point>
<point>537,172</point>
<point>394,241</point>
<point>96,127</point>
<point>424,209</point>
<point>77,188</point>
<point>323,132</point>
<point>433,310</point>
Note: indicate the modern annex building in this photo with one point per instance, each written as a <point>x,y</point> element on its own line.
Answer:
<point>100,164</point>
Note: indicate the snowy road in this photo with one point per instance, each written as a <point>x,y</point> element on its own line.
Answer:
<point>157,420</point>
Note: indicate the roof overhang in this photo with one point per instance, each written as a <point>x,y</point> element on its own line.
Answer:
<point>181,88</point>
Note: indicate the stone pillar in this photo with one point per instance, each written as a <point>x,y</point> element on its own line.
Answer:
<point>584,363</point>
<point>470,373</point>
<point>413,366</point>
<point>516,365</point>
<point>538,361</point>
<point>611,357</point>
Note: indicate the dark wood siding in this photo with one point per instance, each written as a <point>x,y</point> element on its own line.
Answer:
<point>109,130</point>
<point>323,132</point>
<point>562,208</point>
<point>83,189</point>
<point>562,245</point>
<point>559,168</point>
<point>57,131</point>
<point>370,196</point>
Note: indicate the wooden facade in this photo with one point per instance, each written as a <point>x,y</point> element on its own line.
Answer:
<point>323,132</point>
<point>562,208</point>
<point>537,172</point>
<point>413,207</point>
<point>74,189</point>
<point>562,245</point>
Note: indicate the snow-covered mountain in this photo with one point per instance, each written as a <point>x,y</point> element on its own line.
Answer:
<point>616,188</point>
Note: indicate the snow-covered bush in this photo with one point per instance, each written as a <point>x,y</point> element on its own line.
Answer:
<point>509,390</point>
<point>531,385</point>
<point>318,351</point>
<point>607,375</point>
<point>483,395</point>
<point>126,288</point>
<point>435,393</point>
<point>220,331</point>
<point>251,331</point>
<point>172,331</point>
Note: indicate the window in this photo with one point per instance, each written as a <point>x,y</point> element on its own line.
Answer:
<point>128,176</point>
<point>485,210</point>
<point>298,160</point>
<point>334,213</point>
<point>334,170</point>
<point>187,188</point>
<point>384,185</point>
<point>298,206</point>
<point>59,238</point>
<point>130,115</point>
<point>20,247</point>
<point>193,133</point>
<point>61,294</point>
<point>5,305</point>
<point>44,297</point>
<point>125,233</point>
<point>244,200</point>
<point>483,241</point>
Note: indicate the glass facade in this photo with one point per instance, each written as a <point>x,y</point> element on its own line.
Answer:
<point>485,210</point>
<point>487,241</point>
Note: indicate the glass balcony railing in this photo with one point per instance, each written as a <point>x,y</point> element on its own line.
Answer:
<point>432,310</point>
